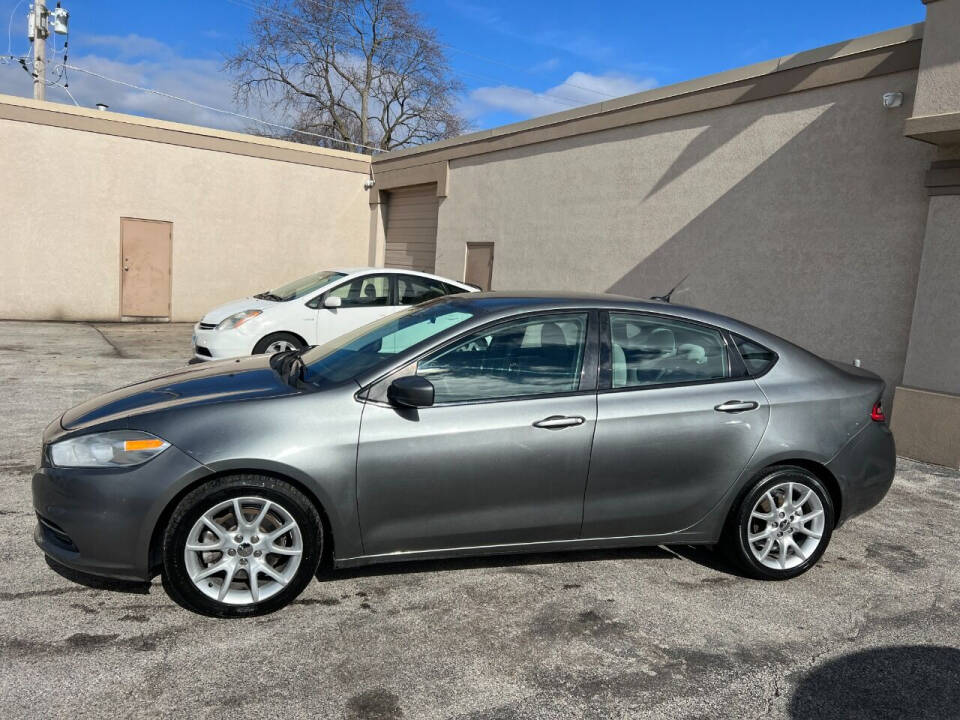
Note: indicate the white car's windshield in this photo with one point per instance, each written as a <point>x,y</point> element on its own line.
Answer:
<point>301,287</point>
<point>349,355</point>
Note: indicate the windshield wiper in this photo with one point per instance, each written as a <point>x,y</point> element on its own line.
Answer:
<point>269,296</point>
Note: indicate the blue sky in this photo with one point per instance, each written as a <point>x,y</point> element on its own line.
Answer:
<point>516,59</point>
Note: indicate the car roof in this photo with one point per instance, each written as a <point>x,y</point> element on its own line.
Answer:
<point>505,300</point>
<point>395,271</point>
<point>506,303</point>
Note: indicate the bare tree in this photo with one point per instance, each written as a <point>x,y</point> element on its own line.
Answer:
<point>364,71</point>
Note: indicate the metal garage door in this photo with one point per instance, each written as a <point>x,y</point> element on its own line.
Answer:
<point>412,228</point>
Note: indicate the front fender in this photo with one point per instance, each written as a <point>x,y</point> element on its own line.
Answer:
<point>337,500</point>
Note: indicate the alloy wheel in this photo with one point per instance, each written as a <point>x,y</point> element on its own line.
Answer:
<point>243,550</point>
<point>786,525</point>
<point>280,346</point>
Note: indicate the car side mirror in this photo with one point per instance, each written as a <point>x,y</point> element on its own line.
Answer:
<point>411,391</point>
<point>332,302</point>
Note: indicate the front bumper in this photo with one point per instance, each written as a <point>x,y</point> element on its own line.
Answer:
<point>220,344</point>
<point>864,469</point>
<point>100,521</point>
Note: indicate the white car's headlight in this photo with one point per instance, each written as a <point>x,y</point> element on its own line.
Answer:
<point>117,448</point>
<point>238,319</point>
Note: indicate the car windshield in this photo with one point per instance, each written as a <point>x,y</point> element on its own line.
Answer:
<point>349,355</point>
<point>303,286</point>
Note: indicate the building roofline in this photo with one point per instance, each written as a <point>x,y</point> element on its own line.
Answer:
<point>880,53</point>
<point>173,133</point>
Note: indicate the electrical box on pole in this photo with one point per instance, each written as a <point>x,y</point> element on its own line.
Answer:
<point>61,20</point>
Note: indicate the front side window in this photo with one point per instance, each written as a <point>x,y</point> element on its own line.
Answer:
<point>534,356</point>
<point>375,344</point>
<point>366,291</point>
<point>413,290</point>
<point>646,350</point>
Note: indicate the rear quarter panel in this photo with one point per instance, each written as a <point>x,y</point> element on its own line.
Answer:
<point>816,410</point>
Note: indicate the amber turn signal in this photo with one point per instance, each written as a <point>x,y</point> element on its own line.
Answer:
<point>152,444</point>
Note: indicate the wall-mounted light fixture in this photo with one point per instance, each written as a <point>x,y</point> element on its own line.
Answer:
<point>367,184</point>
<point>892,100</point>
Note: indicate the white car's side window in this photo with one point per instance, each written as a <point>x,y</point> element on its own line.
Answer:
<point>366,291</point>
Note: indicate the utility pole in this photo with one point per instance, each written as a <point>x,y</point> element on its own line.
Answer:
<point>40,33</point>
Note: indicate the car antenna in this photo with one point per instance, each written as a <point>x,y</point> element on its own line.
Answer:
<point>666,298</point>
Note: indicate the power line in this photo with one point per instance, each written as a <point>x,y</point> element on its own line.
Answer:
<point>559,99</point>
<point>171,96</point>
<point>10,27</point>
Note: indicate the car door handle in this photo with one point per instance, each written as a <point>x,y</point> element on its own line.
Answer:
<point>555,422</point>
<point>733,406</point>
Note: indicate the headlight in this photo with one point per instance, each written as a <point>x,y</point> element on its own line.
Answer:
<point>238,319</point>
<point>117,448</point>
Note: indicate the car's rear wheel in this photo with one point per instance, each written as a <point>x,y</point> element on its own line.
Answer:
<point>278,342</point>
<point>782,525</point>
<point>241,545</point>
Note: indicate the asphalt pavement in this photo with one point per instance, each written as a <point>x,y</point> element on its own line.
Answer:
<point>872,631</point>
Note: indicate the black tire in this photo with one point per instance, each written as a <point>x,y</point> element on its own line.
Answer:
<point>734,542</point>
<point>261,347</point>
<point>176,579</point>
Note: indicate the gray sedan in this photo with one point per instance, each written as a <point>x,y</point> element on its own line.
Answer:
<point>478,424</point>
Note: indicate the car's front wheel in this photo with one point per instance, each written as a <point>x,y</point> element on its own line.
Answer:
<point>782,525</point>
<point>241,545</point>
<point>278,342</point>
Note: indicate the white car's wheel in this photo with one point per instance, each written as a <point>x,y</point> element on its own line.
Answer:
<point>278,342</point>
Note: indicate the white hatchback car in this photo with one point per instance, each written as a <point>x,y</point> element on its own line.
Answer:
<point>313,310</point>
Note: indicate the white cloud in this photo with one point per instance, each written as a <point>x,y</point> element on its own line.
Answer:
<point>127,47</point>
<point>583,45</point>
<point>547,65</point>
<point>149,63</point>
<point>580,88</point>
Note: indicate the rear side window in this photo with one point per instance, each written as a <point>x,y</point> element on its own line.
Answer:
<point>413,290</point>
<point>648,350</point>
<point>756,357</point>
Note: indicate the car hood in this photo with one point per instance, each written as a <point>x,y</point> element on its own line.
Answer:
<point>224,311</point>
<point>215,382</point>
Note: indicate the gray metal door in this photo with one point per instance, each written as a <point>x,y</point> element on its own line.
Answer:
<point>663,457</point>
<point>411,228</point>
<point>472,475</point>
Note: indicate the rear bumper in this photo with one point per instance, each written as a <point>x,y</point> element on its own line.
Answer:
<point>864,469</point>
<point>100,521</point>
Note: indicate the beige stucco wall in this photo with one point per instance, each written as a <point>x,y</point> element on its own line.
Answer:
<point>935,333</point>
<point>938,89</point>
<point>802,213</point>
<point>241,224</point>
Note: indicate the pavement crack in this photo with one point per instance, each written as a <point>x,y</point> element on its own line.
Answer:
<point>116,349</point>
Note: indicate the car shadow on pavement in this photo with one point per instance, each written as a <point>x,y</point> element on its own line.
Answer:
<point>96,582</point>
<point>700,555</point>
<point>706,556</point>
<point>908,681</point>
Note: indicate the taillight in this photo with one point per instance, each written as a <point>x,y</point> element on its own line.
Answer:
<point>876,414</point>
